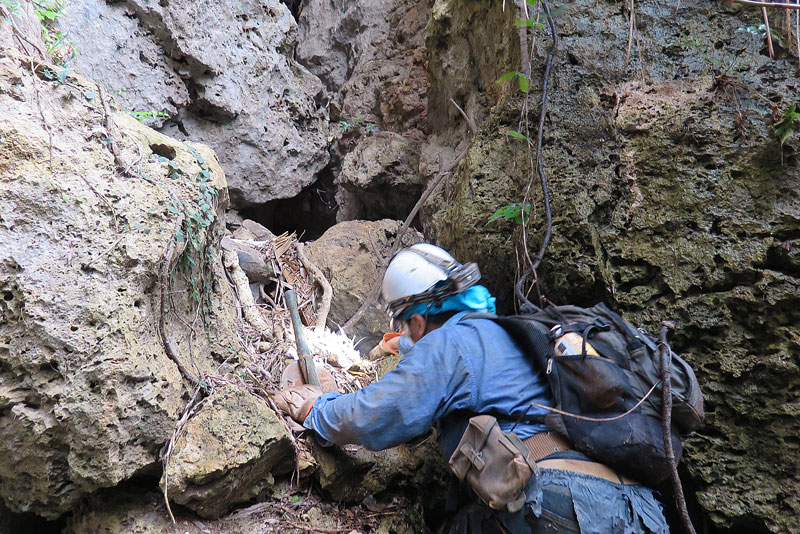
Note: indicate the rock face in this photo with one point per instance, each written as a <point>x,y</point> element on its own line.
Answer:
<point>228,453</point>
<point>670,201</point>
<point>88,394</point>
<point>352,473</point>
<point>371,56</point>
<point>380,178</point>
<point>223,71</point>
<point>346,257</point>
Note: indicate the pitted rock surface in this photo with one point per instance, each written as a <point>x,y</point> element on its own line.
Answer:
<point>380,178</point>
<point>228,453</point>
<point>87,393</point>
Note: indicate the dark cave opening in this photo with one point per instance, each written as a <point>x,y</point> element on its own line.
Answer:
<point>13,523</point>
<point>310,213</point>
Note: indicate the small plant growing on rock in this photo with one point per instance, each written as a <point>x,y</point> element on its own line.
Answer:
<point>355,123</point>
<point>59,48</point>
<point>146,116</point>
<point>519,212</point>
<point>196,262</point>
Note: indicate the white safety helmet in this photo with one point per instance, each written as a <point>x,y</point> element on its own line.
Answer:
<point>424,273</point>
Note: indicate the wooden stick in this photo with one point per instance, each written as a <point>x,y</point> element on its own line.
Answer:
<point>769,33</point>
<point>665,355</point>
<point>766,4</point>
<point>327,290</point>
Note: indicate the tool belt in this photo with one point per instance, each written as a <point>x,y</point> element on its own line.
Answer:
<point>546,443</point>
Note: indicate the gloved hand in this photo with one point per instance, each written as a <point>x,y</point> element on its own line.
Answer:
<point>388,345</point>
<point>297,401</point>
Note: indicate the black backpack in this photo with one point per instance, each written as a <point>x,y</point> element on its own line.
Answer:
<point>608,385</point>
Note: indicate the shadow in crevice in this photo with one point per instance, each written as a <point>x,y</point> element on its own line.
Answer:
<point>12,523</point>
<point>309,214</point>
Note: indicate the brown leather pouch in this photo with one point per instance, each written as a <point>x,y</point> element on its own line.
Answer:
<point>497,465</point>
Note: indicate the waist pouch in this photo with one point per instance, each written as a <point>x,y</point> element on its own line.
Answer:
<point>497,465</point>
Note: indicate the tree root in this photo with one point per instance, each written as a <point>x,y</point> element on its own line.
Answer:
<point>164,272</point>
<point>242,285</point>
<point>327,290</point>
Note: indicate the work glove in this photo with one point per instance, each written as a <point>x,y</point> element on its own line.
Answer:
<point>297,401</point>
<point>388,345</point>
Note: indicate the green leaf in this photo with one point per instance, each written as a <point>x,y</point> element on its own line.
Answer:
<point>516,134</point>
<point>179,237</point>
<point>524,83</point>
<point>524,22</point>
<point>64,197</point>
<point>62,76</point>
<point>786,127</point>
<point>507,76</point>
<point>89,95</point>
<point>173,164</point>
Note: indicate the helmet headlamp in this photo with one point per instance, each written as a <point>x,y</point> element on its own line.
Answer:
<point>460,277</point>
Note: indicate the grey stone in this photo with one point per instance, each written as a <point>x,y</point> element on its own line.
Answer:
<point>382,176</point>
<point>346,257</point>
<point>371,56</point>
<point>228,453</point>
<point>261,111</point>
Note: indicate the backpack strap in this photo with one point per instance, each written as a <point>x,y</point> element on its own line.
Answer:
<point>530,338</point>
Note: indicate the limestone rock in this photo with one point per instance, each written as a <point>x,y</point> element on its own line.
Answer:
<point>108,35</point>
<point>88,394</point>
<point>223,70</point>
<point>350,473</point>
<point>251,260</point>
<point>346,257</point>
<point>382,177</point>
<point>670,201</point>
<point>371,56</point>
<point>228,453</point>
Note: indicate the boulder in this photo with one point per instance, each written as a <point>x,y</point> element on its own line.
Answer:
<point>381,177</point>
<point>228,453</point>
<point>351,473</point>
<point>108,36</point>
<point>88,393</point>
<point>251,260</point>
<point>223,70</point>
<point>346,257</point>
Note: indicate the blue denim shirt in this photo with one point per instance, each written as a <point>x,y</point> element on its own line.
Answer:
<point>464,368</point>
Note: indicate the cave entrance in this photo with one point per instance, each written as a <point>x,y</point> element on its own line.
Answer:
<point>310,213</point>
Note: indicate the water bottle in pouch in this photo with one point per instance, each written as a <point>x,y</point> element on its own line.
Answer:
<point>570,344</point>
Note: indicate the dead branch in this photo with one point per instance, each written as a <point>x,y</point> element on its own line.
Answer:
<point>242,285</point>
<point>665,355</point>
<point>327,290</point>
<point>470,122</point>
<point>766,4</point>
<point>769,33</point>
<point>164,274</point>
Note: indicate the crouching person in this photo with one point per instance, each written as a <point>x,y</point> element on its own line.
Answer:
<point>454,368</point>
